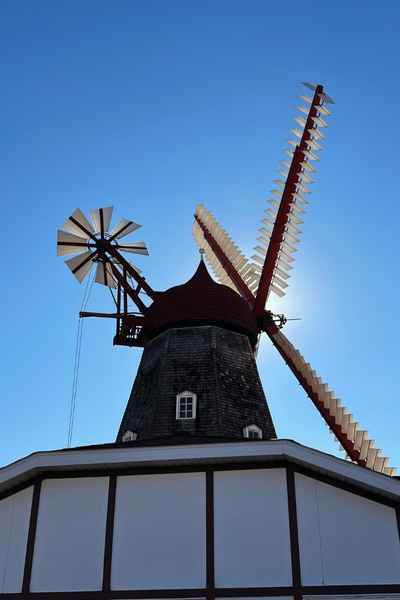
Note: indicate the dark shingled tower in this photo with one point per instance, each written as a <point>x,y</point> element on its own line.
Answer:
<point>202,339</point>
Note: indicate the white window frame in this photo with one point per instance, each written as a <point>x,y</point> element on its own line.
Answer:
<point>252,429</point>
<point>129,436</point>
<point>179,397</point>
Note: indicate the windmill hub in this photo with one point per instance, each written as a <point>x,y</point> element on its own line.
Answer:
<point>102,245</point>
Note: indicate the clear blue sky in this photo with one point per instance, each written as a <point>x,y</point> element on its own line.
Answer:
<point>153,106</point>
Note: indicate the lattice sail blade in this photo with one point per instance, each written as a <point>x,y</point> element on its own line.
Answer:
<point>123,228</point>
<point>68,243</point>
<point>77,224</point>
<point>287,205</point>
<point>80,265</point>
<point>104,275</point>
<point>101,218</point>
<point>354,440</point>
<point>240,273</point>
<point>135,248</point>
<point>218,271</point>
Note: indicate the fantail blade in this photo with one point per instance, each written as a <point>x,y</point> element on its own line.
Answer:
<point>80,265</point>
<point>77,224</point>
<point>101,218</point>
<point>68,243</point>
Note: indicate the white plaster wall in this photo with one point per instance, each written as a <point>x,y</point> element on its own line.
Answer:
<point>344,538</point>
<point>69,547</point>
<point>159,532</point>
<point>15,514</point>
<point>252,542</point>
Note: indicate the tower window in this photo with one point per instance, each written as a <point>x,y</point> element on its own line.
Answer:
<point>186,405</point>
<point>129,436</point>
<point>252,432</point>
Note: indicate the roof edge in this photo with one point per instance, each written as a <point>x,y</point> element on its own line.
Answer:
<point>130,456</point>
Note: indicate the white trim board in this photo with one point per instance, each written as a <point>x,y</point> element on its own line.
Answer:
<point>196,454</point>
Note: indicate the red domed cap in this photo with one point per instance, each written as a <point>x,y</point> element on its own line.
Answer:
<point>200,301</point>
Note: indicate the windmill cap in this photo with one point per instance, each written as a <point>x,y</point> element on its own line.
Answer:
<point>200,301</point>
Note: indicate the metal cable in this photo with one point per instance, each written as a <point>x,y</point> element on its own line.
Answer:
<point>77,356</point>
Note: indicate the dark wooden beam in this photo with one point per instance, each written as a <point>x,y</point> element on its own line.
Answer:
<point>30,544</point>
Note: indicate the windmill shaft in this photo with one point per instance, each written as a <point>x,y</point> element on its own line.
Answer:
<point>130,270</point>
<point>226,263</point>
<point>129,290</point>
<point>284,210</point>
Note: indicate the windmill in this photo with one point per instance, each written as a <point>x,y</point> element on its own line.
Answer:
<point>254,279</point>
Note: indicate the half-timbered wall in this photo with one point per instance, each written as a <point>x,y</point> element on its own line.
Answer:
<point>228,531</point>
<point>14,524</point>
<point>159,532</point>
<point>69,543</point>
<point>345,539</point>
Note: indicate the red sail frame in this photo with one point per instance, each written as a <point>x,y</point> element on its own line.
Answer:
<point>282,218</point>
<point>345,442</point>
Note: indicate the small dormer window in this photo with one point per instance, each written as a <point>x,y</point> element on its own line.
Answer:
<point>186,405</point>
<point>252,432</point>
<point>129,436</point>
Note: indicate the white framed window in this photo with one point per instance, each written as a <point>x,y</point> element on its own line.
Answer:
<point>129,436</point>
<point>253,432</point>
<point>186,405</point>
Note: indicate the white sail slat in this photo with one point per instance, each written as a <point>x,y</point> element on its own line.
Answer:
<point>324,111</point>
<point>300,121</point>
<point>297,133</point>
<point>228,247</point>
<point>308,166</point>
<point>304,178</point>
<point>282,274</point>
<point>291,238</point>
<point>279,182</point>
<point>296,208</point>
<point>278,281</point>
<point>303,109</point>
<point>319,121</point>
<point>314,145</point>
<point>283,263</point>
<point>311,155</point>
<point>277,291</point>
<point>303,188</point>
<point>316,133</point>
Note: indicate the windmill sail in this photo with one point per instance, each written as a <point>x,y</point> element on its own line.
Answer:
<point>280,231</point>
<point>354,440</point>
<point>228,263</point>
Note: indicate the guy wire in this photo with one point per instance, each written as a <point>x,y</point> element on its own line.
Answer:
<point>77,356</point>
